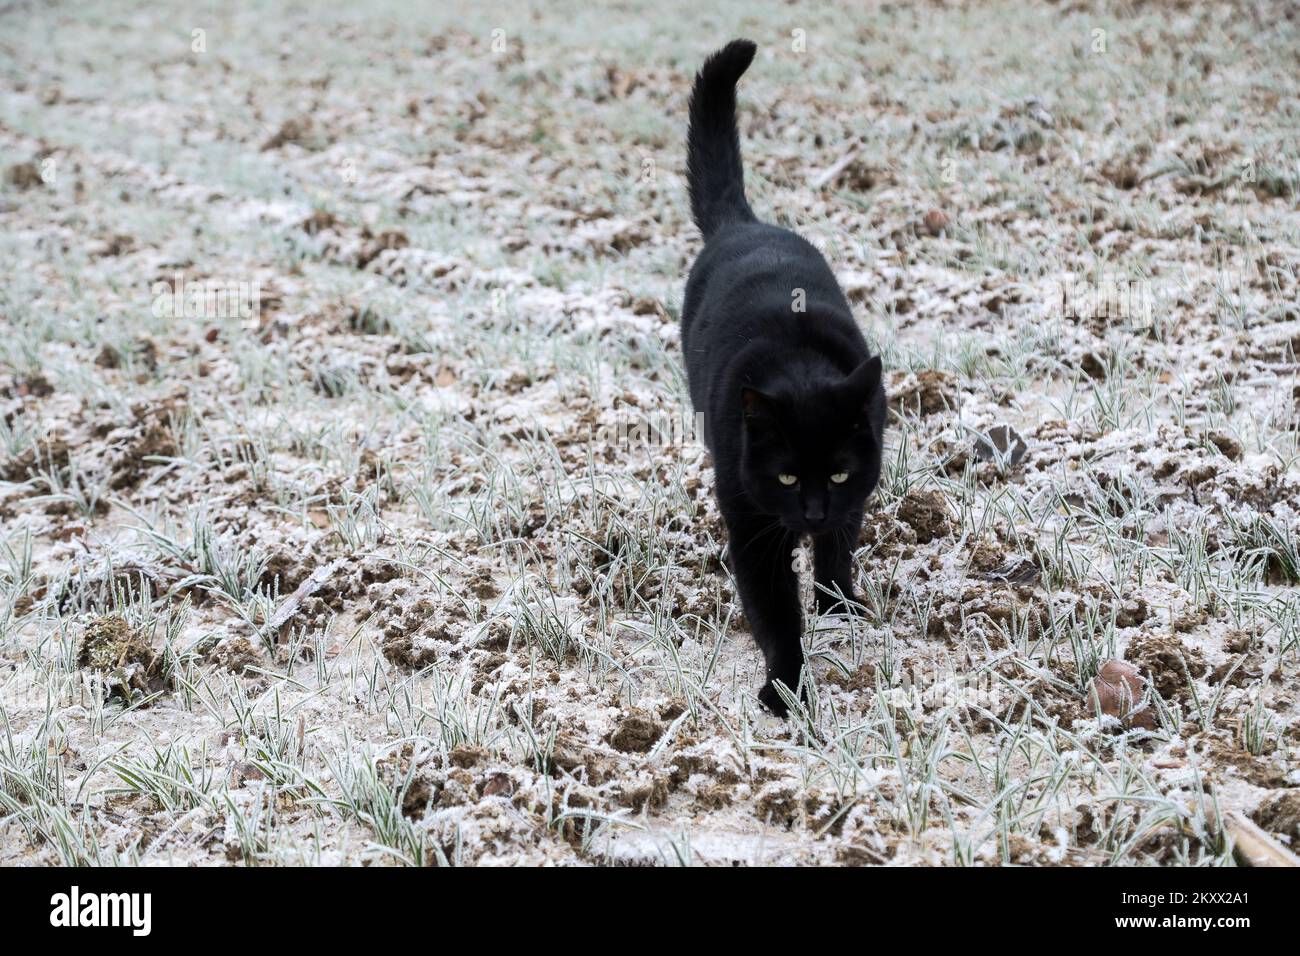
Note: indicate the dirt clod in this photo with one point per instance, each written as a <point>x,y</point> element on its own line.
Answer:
<point>35,459</point>
<point>129,666</point>
<point>927,513</point>
<point>235,654</point>
<point>636,733</point>
<point>24,175</point>
<point>1280,813</point>
<point>411,651</point>
<point>466,756</point>
<point>1162,658</point>
<point>930,391</point>
<point>1229,446</point>
<point>1132,613</point>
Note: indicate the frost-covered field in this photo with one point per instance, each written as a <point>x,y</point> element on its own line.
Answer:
<point>347,510</point>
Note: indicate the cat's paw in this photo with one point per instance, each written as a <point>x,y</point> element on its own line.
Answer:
<point>770,698</point>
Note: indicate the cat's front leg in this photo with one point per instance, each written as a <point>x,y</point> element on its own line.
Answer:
<point>762,561</point>
<point>833,567</point>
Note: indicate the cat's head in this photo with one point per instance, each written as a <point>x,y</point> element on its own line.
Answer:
<point>811,450</point>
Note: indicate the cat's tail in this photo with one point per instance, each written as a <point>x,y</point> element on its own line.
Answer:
<point>713,168</point>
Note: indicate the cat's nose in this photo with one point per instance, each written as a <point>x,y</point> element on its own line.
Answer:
<point>814,512</point>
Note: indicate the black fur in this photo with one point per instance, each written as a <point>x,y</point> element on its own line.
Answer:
<point>782,391</point>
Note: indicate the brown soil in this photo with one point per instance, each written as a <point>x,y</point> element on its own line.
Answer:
<point>1280,813</point>
<point>1166,661</point>
<point>235,654</point>
<point>124,657</point>
<point>929,392</point>
<point>636,733</point>
<point>927,514</point>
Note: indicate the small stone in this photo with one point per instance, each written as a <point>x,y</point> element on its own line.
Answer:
<point>1001,443</point>
<point>1117,690</point>
<point>935,222</point>
<point>1022,571</point>
<point>499,785</point>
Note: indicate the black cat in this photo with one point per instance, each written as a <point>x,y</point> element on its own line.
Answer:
<point>792,403</point>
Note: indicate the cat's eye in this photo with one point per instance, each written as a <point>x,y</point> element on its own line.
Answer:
<point>840,477</point>
<point>787,479</point>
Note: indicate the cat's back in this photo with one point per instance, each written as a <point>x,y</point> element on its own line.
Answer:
<point>755,250</point>
<point>747,271</point>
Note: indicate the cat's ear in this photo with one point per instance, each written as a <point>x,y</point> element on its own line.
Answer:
<point>865,379</point>
<point>862,391</point>
<point>755,404</point>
